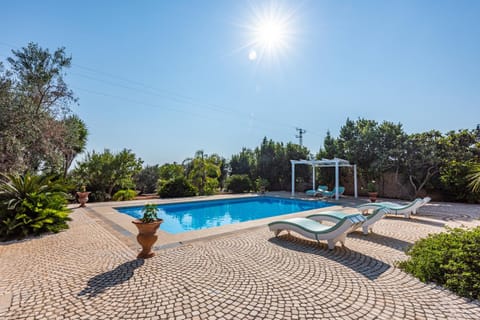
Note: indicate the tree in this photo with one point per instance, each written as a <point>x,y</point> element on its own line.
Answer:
<point>330,148</point>
<point>474,178</point>
<point>74,141</point>
<point>266,162</point>
<point>108,172</point>
<point>146,180</point>
<point>295,151</point>
<point>203,172</point>
<point>243,163</point>
<point>423,158</point>
<point>358,143</point>
<point>34,102</point>
<point>461,154</point>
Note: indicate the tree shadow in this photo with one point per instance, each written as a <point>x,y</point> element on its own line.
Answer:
<point>120,274</point>
<point>367,266</point>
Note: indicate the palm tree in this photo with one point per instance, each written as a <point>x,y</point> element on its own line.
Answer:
<point>75,140</point>
<point>474,178</point>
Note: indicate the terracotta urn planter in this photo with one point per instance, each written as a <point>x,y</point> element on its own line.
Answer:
<point>373,196</point>
<point>147,236</point>
<point>83,197</point>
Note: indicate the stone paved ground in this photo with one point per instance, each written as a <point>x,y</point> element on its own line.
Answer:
<point>88,273</point>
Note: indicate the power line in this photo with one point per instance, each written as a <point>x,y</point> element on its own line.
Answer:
<point>178,98</point>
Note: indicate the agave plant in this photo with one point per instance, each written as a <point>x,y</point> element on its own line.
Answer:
<point>31,204</point>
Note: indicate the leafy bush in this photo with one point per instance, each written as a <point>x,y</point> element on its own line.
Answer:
<point>239,183</point>
<point>211,186</point>
<point>146,180</point>
<point>178,187</point>
<point>261,184</point>
<point>124,195</point>
<point>454,178</point>
<point>31,205</point>
<point>450,259</point>
<point>99,196</point>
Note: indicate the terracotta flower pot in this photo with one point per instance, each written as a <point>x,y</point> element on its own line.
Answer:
<point>373,196</point>
<point>83,197</point>
<point>147,237</point>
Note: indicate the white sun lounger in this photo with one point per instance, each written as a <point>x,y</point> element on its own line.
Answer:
<point>317,231</point>
<point>334,217</point>
<point>406,210</point>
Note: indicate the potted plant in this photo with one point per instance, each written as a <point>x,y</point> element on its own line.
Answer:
<point>147,227</point>
<point>372,191</point>
<point>83,196</point>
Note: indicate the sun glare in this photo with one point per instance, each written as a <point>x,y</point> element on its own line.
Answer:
<point>270,32</point>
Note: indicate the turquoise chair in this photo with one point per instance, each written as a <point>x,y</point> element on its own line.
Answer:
<point>309,228</point>
<point>319,190</point>
<point>406,210</point>
<point>335,217</point>
<point>331,194</point>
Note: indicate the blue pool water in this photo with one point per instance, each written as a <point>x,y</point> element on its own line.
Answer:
<point>187,216</point>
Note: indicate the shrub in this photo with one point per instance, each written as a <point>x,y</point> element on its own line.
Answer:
<point>261,184</point>
<point>178,187</point>
<point>146,180</point>
<point>31,205</point>
<point>211,186</point>
<point>124,195</point>
<point>239,183</point>
<point>454,178</point>
<point>99,196</point>
<point>450,259</point>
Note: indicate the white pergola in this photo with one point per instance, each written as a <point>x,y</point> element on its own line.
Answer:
<point>336,162</point>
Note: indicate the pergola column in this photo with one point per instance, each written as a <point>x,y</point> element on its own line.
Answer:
<point>293,178</point>
<point>313,177</point>
<point>336,180</point>
<point>355,191</point>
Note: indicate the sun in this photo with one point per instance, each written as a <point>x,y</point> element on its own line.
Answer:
<point>270,32</point>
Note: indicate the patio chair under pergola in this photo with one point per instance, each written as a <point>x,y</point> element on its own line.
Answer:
<point>336,163</point>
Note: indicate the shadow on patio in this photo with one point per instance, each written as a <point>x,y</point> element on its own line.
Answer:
<point>367,266</point>
<point>119,275</point>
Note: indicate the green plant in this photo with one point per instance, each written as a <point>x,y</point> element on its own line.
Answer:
<point>178,187</point>
<point>31,205</point>
<point>239,183</point>
<point>261,184</point>
<point>149,211</point>
<point>99,196</point>
<point>146,180</point>
<point>456,182</point>
<point>124,195</point>
<point>372,186</point>
<point>450,259</point>
<point>474,178</point>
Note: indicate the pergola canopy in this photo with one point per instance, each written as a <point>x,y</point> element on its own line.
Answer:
<point>336,162</point>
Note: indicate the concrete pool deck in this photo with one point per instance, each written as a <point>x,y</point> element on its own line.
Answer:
<point>90,272</point>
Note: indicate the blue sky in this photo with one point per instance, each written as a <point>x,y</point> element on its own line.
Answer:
<point>167,78</point>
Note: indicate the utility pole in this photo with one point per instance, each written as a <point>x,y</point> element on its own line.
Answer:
<point>300,134</point>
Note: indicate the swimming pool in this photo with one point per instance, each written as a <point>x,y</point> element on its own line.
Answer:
<point>187,216</point>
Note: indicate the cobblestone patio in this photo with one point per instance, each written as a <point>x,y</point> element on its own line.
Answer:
<point>87,272</point>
